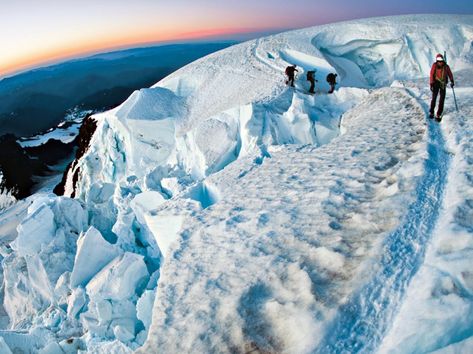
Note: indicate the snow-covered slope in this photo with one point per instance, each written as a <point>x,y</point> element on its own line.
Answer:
<point>66,131</point>
<point>221,211</point>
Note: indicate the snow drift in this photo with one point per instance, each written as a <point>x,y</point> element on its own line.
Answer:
<point>221,211</point>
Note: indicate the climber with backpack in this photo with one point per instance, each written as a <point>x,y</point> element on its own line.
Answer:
<point>440,73</point>
<point>332,81</point>
<point>312,80</point>
<point>290,73</point>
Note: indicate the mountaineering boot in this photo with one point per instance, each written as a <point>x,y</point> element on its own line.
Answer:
<point>438,118</point>
<point>431,115</point>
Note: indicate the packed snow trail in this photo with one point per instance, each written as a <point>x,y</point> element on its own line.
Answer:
<point>437,311</point>
<point>363,321</point>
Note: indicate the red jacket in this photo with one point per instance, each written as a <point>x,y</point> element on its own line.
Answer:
<point>441,74</point>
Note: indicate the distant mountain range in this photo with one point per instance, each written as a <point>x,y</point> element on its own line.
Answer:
<point>37,100</point>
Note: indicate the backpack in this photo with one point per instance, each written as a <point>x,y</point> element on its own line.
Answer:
<point>310,75</point>
<point>331,78</point>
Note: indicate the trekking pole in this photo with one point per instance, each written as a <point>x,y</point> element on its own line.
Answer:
<point>455,99</point>
<point>453,90</point>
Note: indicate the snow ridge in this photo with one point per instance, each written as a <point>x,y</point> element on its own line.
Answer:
<point>362,322</point>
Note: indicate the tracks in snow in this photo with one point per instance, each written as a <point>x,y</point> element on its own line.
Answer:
<point>362,322</point>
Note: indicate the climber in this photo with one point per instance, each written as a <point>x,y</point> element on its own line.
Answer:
<point>290,72</point>
<point>439,75</point>
<point>332,80</point>
<point>312,80</point>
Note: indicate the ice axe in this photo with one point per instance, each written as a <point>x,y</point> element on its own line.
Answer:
<point>453,90</point>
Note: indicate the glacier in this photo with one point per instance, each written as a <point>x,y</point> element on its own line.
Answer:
<point>221,211</point>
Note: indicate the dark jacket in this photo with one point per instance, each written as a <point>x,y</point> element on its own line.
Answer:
<point>332,78</point>
<point>290,70</point>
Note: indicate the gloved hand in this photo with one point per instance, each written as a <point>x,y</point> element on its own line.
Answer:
<point>431,87</point>
<point>452,84</point>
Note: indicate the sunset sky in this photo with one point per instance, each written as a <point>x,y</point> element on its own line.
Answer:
<point>34,32</point>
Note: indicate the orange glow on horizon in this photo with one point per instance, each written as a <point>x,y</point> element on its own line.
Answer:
<point>100,45</point>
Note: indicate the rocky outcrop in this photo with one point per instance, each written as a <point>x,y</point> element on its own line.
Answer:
<point>87,130</point>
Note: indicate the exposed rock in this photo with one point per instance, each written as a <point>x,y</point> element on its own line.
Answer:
<point>87,130</point>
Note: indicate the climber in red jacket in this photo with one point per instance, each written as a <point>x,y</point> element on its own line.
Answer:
<point>439,75</point>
